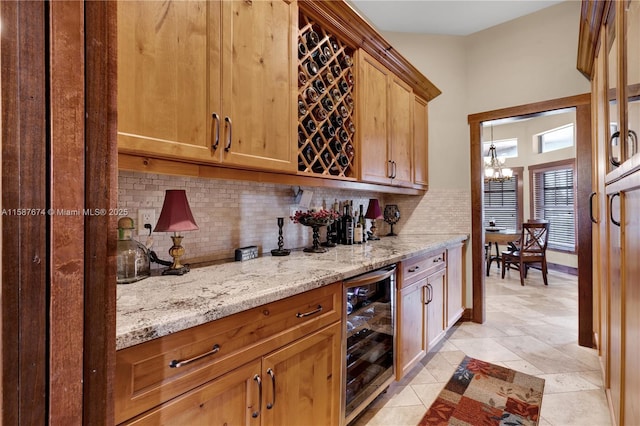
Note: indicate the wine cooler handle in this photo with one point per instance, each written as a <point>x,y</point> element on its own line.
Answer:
<point>229,135</point>
<point>273,383</point>
<point>612,160</point>
<point>593,219</point>
<point>216,122</point>
<point>615,222</point>
<point>177,364</point>
<point>259,381</point>
<point>306,314</point>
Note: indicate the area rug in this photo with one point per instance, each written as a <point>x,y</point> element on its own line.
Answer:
<point>481,393</point>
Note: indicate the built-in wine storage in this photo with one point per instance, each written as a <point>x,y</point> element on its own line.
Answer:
<point>326,132</point>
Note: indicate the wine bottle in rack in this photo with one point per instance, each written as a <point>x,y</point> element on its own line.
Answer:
<point>319,85</point>
<point>320,113</point>
<point>308,154</point>
<point>336,120</point>
<point>311,67</point>
<point>302,50</point>
<point>326,159</point>
<point>309,126</point>
<point>349,100</point>
<point>327,103</point>
<point>302,109</point>
<point>302,79</point>
<point>318,143</point>
<point>328,131</point>
<point>329,78</point>
<point>336,146</point>
<point>317,167</point>
<point>350,78</point>
<point>348,149</point>
<point>336,70</point>
<point>310,95</point>
<point>302,139</point>
<point>342,134</point>
<point>344,112</point>
<point>312,39</point>
<point>344,87</point>
<point>327,51</point>
<point>335,94</point>
<point>346,61</point>
<point>335,46</point>
<point>343,161</point>
<point>320,58</point>
<point>351,127</point>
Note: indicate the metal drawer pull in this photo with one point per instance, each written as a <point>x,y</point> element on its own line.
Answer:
<point>257,379</point>
<point>415,268</point>
<point>315,311</point>
<point>437,259</point>
<point>175,363</point>
<point>614,161</point>
<point>273,382</point>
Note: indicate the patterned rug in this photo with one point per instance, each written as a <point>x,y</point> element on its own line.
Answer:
<point>480,393</point>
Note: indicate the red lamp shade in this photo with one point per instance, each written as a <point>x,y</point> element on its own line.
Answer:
<point>373,210</point>
<point>176,214</point>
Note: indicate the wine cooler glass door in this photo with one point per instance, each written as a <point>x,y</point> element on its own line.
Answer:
<point>369,357</point>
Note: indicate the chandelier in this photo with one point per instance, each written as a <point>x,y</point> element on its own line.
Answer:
<point>493,167</point>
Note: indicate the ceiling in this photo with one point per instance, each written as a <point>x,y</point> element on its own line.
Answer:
<point>452,17</point>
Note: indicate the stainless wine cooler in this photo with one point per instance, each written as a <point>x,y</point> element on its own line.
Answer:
<point>369,335</point>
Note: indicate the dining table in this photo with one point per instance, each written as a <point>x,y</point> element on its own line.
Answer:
<point>493,236</point>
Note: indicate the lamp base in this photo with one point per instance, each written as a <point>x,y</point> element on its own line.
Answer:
<point>177,271</point>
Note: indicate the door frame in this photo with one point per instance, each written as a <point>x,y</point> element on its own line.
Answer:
<point>582,103</point>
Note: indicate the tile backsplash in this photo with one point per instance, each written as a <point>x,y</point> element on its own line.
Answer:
<point>232,214</point>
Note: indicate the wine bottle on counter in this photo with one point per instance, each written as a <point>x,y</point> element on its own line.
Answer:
<point>363,224</point>
<point>357,230</point>
<point>347,226</point>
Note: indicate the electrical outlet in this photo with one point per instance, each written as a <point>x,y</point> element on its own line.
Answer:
<point>145,216</point>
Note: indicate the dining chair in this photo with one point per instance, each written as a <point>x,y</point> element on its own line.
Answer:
<point>531,248</point>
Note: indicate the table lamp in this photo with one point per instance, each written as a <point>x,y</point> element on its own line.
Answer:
<point>373,212</point>
<point>175,217</point>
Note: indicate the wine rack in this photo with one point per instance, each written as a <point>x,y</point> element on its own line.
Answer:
<point>326,132</point>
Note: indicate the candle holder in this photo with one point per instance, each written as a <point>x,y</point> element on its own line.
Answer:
<point>280,251</point>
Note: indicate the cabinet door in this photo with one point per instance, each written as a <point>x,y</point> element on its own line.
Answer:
<point>305,376</point>
<point>373,129</point>
<point>614,150</point>
<point>435,308</point>
<point>259,84</point>
<point>455,305</point>
<point>400,117</point>
<point>231,399</point>
<point>411,342</point>
<point>163,85</point>
<point>615,304</point>
<point>631,301</point>
<point>420,142</point>
<point>632,27</point>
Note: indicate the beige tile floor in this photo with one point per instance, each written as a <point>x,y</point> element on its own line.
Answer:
<point>532,329</point>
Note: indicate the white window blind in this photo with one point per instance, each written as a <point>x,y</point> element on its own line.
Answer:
<point>553,199</point>
<point>501,203</point>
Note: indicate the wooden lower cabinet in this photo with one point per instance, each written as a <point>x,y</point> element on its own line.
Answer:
<point>411,324</point>
<point>435,308</point>
<point>296,385</point>
<point>306,379</point>
<point>230,399</point>
<point>429,302</point>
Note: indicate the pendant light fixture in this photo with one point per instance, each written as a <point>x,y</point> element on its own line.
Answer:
<point>493,170</point>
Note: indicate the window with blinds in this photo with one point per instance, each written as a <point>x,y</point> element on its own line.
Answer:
<point>553,200</point>
<point>501,203</point>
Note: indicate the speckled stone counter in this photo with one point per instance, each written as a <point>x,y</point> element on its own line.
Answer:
<point>158,306</point>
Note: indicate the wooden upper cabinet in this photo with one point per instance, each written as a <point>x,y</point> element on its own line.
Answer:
<point>259,84</point>
<point>401,131</point>
<point>385,119</point>
<point>420,142</point>
<point>163,60</point>
<point>208,81</point>
<point>373,126</point>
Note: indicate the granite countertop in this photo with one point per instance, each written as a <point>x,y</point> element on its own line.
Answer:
<point>161,305</point>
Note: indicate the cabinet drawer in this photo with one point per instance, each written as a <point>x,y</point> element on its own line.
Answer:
<point>156,371</point>
<point>421,266</point>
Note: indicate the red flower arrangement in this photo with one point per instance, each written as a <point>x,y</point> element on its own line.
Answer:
<point>321,217</point>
